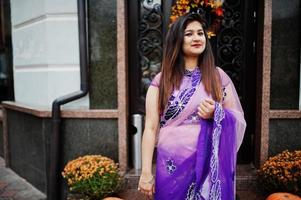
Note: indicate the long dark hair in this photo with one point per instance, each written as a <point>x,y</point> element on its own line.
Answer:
<point>172,68</point>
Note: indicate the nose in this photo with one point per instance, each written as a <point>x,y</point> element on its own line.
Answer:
<point>196,37</point>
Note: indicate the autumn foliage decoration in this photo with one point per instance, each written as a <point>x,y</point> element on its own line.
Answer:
<point>211,10</point>
<point>94,176</point>
<point>281,173</point>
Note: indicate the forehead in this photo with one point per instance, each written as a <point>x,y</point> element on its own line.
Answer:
<point>194,25</point>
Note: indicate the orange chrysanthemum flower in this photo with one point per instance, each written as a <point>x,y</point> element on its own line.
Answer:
<point>93,175</point>
<point>282,172</point>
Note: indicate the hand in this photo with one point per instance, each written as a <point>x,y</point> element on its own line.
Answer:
<point>147,185</point>
<point>206,109</point>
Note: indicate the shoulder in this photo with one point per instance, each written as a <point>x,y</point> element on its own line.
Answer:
<point>156,80</point>
<point>224,76</point>
<point>158,76</point>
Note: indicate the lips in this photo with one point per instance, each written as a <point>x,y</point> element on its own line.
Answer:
<point>196,45</point>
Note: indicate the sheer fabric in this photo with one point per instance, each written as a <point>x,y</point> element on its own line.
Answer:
<point>196,158</point>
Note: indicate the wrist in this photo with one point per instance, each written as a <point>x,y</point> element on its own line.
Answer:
<point>146,170</point>
<point>146,174</point>
<point>147,180</point>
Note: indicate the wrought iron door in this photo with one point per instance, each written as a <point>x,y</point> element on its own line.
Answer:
<point>234,49</point>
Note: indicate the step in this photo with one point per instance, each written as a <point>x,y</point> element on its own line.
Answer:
<point>133,194</point>
<point>245,179</point>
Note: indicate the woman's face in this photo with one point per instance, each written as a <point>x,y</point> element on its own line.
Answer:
<point>194,42</point>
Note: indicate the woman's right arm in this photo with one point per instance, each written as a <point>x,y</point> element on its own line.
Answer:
<point>148,141</point>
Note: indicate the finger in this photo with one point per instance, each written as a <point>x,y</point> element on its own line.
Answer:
<point>202,107</point>
<point>148,194</point>
<point>201,103</point>
<point>210,101</point>
<point>210,108</point>
<point>202,115</point>
<point>208,105</point>
<point>201,111</point>
<point>146,190</point>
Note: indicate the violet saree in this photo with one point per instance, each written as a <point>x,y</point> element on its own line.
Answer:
<point>196,158</point>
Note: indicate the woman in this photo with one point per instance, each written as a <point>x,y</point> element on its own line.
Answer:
<point>193,110</point>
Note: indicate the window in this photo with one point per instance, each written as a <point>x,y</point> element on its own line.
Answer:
<point>285,63</point>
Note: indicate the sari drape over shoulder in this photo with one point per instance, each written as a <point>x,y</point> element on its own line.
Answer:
<point>196,158</point>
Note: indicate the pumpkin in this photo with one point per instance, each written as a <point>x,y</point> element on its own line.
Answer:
<point>112,198</point>
<point>283,196</point>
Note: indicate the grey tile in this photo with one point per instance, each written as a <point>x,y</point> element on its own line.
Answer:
<point>103,58</point>
<point>284,134</point>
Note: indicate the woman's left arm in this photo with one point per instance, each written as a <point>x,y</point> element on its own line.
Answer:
<point>232,103</point>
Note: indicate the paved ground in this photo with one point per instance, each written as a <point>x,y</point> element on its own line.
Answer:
<point>13,187</point>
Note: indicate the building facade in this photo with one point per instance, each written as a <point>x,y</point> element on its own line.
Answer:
<point>258,46</point>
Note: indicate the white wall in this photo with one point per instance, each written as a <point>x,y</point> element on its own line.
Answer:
<point>45,51</point>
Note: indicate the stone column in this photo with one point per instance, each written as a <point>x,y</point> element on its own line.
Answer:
<point>45,51</point>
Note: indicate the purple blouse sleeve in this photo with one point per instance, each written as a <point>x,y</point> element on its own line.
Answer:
<point>232,103</point>
<point>156,81</point>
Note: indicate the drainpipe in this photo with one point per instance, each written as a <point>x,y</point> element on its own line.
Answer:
<point>53,191</point>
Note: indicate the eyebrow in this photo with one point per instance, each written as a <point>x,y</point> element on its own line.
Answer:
<point>190,30</point>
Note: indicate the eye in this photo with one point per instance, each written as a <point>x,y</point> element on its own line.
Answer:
<point>188,34</point>
<point>200,33</point>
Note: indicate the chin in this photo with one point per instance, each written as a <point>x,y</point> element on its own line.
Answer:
<point>196,53</point>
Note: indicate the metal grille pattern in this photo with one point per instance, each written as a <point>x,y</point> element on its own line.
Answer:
<point>150,42</point>
<point>230,42</point>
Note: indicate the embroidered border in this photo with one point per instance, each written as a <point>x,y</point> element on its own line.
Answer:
<point>192,194</point>
<point>215,190</point>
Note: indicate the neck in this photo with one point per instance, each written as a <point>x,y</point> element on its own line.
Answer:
<point>190,62</point>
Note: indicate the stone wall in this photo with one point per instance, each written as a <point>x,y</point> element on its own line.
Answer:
<point>45,51</point>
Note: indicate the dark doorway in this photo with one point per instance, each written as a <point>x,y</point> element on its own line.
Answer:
<point>234,49</point>
<point>6,65</point>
